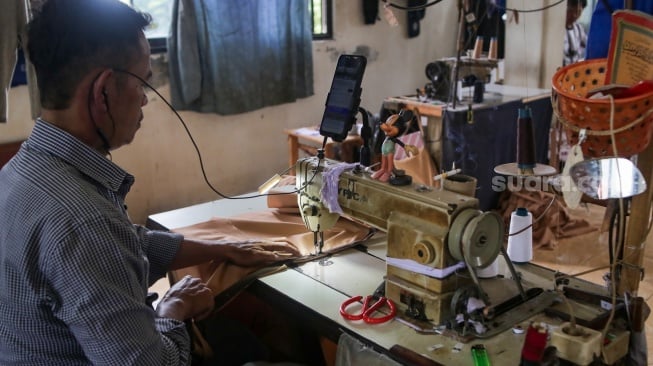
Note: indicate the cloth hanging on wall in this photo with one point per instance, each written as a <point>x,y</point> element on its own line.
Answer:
<point>370,11</point>
<point>13,18</point>
<point>598,35</point>
<point>226,58</point>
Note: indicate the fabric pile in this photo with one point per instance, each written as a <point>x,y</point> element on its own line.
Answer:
<point>557,222</point>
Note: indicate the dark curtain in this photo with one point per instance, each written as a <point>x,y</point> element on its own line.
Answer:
<point>231,57</point>
<point>491,140</point>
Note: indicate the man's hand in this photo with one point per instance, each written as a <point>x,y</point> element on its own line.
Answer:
<point>186,299</point>
<point>258,252</point>
<point>246,253</point>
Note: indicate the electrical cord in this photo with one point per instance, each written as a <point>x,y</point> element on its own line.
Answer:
<point>98,130</point>
<point>616,240</point>
<point>410,8</point>
<point>199,154</point>
<point>420,7</point>
<point>535,220</point>
<point>620,241</point>
<point>532,10</point>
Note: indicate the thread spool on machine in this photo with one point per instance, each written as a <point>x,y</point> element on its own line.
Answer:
<point>520,241</point>
<point>525,164</point>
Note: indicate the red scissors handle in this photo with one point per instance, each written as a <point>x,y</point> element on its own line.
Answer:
<point>367,315</point>
<point>351,300</point>
<point>367,309</point>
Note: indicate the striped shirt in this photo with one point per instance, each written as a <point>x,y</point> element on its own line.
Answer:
<point>74,270</point>
<point>575,43</point>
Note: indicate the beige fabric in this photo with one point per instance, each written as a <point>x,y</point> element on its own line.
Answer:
<point>269,225</point>
<point>420,166</point>
<point>226,280</point>
<point>555,223</point>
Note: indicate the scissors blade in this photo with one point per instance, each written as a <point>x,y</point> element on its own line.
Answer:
<point>380,290</point>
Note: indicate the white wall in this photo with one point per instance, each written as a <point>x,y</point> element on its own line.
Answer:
<point>242,151</point>
<point>534,43</point>
<point>19,120</point>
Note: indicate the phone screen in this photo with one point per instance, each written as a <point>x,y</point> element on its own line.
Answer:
<point>344,97</point>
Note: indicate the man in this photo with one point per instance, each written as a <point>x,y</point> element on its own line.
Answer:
<point>575,37</point>
<point>74,271</point>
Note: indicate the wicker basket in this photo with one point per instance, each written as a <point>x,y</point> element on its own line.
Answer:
<point>633,117</point>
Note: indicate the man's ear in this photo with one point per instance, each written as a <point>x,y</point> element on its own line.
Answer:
<point>99,90</point>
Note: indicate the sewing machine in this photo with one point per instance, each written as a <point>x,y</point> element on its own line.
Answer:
<point>437,239</point>
<point>442,72</point>
<point>311,292</point>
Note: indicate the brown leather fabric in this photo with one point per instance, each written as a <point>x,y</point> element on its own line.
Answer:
<point>269,225</point>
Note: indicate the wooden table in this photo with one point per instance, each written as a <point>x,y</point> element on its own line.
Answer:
<point>308,139</point>
<point>427,109</point>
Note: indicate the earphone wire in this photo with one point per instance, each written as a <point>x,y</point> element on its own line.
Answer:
<point>199,154</point>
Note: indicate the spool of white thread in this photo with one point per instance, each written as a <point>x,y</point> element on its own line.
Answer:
<point>520,246</point>
<point>490,271</point>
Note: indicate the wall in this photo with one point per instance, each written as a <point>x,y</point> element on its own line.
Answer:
<point>19,120</point>
<point>242,151</point>
<point>534,43</point>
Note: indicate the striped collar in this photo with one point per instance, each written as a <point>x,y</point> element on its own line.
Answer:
<point>50,139</point>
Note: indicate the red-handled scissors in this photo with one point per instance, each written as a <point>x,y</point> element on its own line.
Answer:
<point>368,310</point>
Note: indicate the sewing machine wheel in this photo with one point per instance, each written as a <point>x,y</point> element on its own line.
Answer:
<point>439,74</point>
<point>476,237</point>
<point>460,297</point>
<point>456,232</point>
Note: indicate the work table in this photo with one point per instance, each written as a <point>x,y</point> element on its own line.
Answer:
<point>314,291</point>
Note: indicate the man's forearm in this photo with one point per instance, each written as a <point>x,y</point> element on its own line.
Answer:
<point>193,252</point>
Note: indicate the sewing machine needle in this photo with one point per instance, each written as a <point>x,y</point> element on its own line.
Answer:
<point>315,242</point>
<point>321,242</point>
<point>318,241</point>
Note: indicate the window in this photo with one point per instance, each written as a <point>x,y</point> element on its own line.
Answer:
<point>160,10</point>
<point>322,19</point>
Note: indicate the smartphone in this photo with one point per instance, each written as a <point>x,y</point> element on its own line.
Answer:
<point>344,97</point>
<point>479,354</point>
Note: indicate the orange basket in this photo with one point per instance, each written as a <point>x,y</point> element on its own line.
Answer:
<point>633,117</point>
